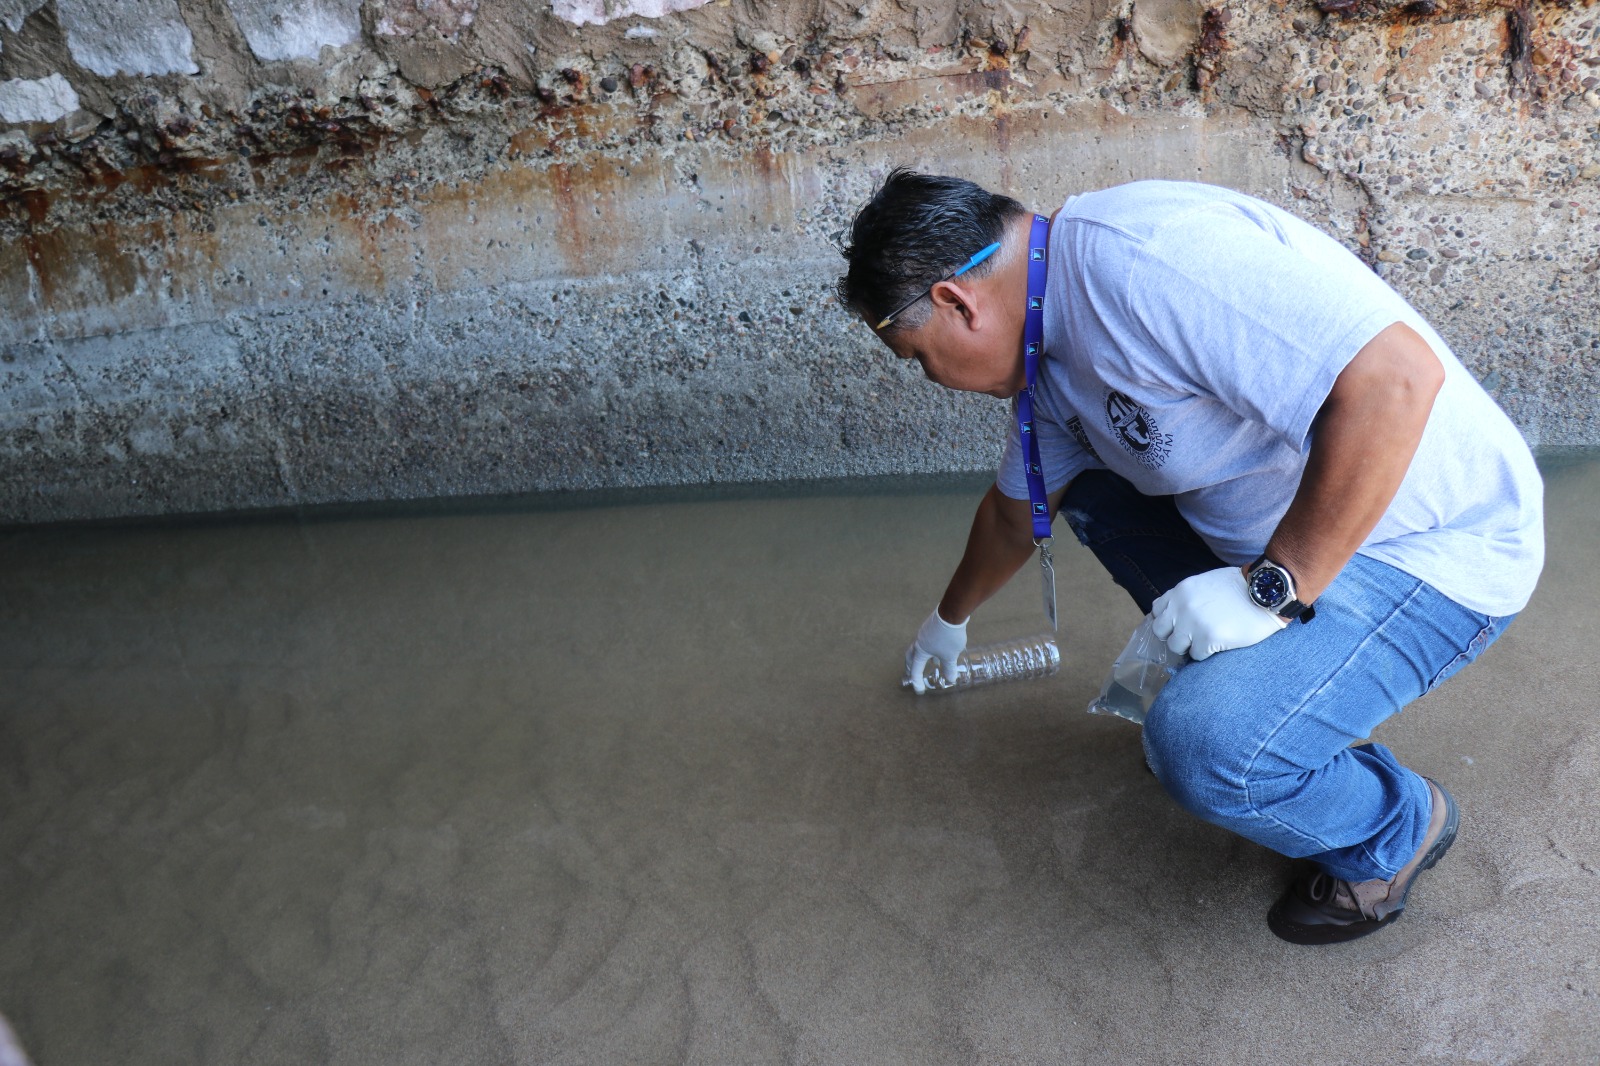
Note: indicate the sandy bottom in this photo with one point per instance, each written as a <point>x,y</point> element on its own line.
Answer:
<point>637,784</point>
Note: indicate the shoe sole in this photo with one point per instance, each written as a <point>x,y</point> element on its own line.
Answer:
<point>1285,928</point>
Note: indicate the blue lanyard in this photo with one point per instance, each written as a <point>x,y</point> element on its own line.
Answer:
<point>1032,348</point>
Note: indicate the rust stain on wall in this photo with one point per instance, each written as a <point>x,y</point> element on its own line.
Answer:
<point>682,195</point>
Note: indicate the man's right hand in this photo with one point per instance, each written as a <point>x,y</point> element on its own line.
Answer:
<point>937,639</point>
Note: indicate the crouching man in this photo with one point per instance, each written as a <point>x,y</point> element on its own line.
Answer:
<point>1271,452</point>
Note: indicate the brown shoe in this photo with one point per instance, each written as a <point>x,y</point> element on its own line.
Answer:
<point>1320,909</point>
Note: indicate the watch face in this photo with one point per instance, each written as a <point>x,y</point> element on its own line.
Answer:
<point>1268,587</point>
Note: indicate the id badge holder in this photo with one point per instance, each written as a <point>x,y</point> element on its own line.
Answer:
<point>1047,581</point>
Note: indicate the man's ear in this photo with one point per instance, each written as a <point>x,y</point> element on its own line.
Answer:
<point>959,298</point>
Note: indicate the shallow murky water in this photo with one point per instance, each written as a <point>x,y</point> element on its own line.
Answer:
<point>637,784</point>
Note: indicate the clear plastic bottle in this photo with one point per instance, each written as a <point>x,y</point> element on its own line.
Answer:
<point>1021,659</point>
<point>1138,676</point>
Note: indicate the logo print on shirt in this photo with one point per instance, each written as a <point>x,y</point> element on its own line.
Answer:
<point>1136,428</point>
<point>1075,427</point>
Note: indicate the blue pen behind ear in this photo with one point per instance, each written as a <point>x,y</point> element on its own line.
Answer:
<point>975,260</point>
<point>956,273</point>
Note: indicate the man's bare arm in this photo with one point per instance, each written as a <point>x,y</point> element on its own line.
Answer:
<point>1000,543</point>
<point>1363,440</point>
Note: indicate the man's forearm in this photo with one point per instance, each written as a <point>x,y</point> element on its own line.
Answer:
<point>999,544</point>
<point>1363,440</point>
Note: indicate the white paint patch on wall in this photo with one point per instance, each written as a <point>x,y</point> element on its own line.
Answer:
<point>599,12</point>
<point>296,29</point>
<point>39,100</point>
<point>407,18</point>
<point>141,37</point>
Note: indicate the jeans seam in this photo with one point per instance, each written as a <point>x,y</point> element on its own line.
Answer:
<point>1135,568</point>
<point>1450,668</point>
<point>1267,740</point>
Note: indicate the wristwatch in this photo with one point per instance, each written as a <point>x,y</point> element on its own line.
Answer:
<point>1272,587</point>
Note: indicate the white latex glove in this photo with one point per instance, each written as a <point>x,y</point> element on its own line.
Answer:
<point>1212,612</point>
<point>937,639</point>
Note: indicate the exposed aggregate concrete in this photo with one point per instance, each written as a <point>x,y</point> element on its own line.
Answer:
<point>480,249</point>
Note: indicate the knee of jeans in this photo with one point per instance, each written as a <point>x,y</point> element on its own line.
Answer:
<point>1197,757</point>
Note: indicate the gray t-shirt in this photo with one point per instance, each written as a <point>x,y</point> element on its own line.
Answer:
<point>1191,335</point>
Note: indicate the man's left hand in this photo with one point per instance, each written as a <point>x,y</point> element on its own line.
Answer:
<point>1212,612</point>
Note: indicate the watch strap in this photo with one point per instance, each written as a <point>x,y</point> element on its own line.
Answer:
<point>1295,609</point>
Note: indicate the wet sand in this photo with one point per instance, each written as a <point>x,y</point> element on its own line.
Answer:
<point>637,784</point>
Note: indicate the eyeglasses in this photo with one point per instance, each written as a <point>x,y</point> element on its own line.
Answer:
<point>956,273</point>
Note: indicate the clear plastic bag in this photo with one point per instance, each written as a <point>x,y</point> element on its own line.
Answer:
<point>1138,675</point>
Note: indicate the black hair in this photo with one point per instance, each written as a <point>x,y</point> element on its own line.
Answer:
<point>916,229</point>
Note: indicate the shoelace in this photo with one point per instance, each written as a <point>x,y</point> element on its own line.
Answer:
<point>1325,889</point>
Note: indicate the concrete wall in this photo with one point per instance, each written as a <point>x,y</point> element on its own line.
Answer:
<point>263,252</point>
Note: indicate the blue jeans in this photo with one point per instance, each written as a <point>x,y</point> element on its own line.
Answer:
<point>1264,740</point>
